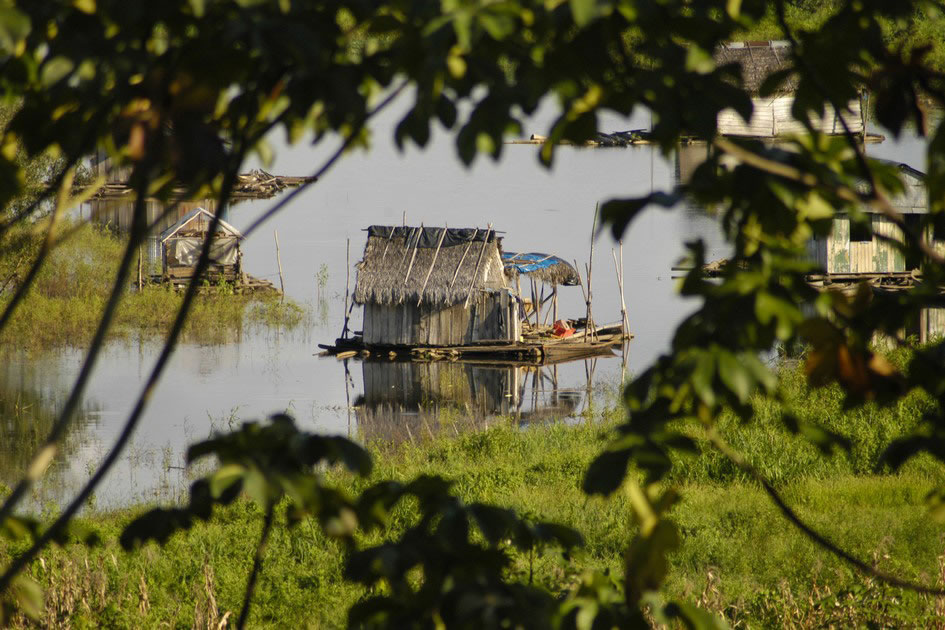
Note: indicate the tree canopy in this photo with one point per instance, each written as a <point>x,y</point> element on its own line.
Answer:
<point>184,90</point>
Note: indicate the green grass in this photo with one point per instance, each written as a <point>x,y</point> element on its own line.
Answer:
<point>70,292</point>
<point>739,556</point>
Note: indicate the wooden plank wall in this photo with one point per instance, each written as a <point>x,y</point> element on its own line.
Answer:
<point>931,324</point>
<point>488,318</point>
<point>772,117</point>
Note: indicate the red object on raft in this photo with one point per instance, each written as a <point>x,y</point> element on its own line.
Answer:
<point>561,329</point>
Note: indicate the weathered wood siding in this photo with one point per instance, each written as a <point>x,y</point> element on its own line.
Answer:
<point>772,117</point>
<point>491,316</point>
<point>837,254</point>
<point>931,324</point>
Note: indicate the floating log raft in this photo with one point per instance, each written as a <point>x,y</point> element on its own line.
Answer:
<point>538,347</point>
<point>242,283</point>
<point>635,137</point>
<point>257,184</point>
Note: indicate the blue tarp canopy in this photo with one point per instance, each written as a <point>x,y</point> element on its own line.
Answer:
<point>545,267</point>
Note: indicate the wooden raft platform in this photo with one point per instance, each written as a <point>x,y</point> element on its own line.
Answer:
<point>543,351</point>
<point>243,285</point>
<point>641,138</point>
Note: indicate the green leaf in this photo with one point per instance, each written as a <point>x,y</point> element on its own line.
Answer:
<point>583,11</point>
<point>735,377</point>
<point>55,70</point>
<point>224,477</point>
<point>198,7</point>
<point>693,618</point>
<point>701,378</point>
<point>699,61</point>
<point>257,487</point>
<point>28,595</point>
<point>14,28</point>
<point>618,213</point>
<point>606,472</point>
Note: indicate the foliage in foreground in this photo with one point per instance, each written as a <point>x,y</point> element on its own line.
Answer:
<point>66,300</point>
<point>738,558</point>
<point>182,91</point>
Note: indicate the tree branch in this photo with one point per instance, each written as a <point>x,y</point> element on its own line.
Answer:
<point>815,536</point>
<point>257,567</point>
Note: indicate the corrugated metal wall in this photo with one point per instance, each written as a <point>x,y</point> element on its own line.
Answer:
<point>839,255</point>
<point>491,316</point>
<point>772,117</point>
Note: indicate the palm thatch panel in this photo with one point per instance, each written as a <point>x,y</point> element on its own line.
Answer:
<point>758,60</point>
<point>395,268</point>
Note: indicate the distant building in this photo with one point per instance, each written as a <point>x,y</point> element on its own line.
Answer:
<point>772,116</point>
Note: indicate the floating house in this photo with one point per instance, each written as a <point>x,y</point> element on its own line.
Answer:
<point>182,243</point>
<point>772,116</point>
<point>435,287</point>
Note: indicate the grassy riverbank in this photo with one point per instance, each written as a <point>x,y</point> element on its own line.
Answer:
<point>70,292</point>
<point>739,556</point>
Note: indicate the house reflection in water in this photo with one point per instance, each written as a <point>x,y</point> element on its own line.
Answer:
<point>414,400</point>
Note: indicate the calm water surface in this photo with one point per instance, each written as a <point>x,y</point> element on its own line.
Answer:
<point>209,388</point>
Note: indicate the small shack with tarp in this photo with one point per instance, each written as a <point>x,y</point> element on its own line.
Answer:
<point>182,243</point>
<point>546,268</point>
<point>434,287</point>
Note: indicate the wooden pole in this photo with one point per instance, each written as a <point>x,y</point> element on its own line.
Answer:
<point>472,281</point>
<point>275,233</point>
<point>463,257</point>
<point>554,305</point>
<point>344,329</point>
<point>407,238</point>
<point>590,269</point>
<point>624,324</point>
<point>414,256</point>
<point>439,243</point>
<point>535,305</point>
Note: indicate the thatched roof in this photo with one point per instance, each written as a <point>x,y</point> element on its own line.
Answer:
<point>545,267</point>
<point>758,60</point>
<point>390,251</point>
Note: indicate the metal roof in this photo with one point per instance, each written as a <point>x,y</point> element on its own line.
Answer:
<point>193,214</point>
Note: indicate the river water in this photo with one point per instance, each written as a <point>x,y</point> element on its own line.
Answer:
<point>212,387</point>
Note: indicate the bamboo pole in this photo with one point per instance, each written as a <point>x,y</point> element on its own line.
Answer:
<point>554,305</point>
<point>463,257</point>
<point>590,269</point>
<point>475,276</point>
<point>275,234</point>
<point>407,239</point>
<point>624,323</point>
<point>344,329</point>
<point>414,256</point>
<point>439,244</point>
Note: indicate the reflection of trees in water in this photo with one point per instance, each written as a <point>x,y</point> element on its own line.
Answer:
<point>409,401</point>
<point>28,409</point>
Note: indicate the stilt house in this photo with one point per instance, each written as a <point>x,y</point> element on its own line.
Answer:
<point>772,116</point>
<point>435,287</point>
<point>182,243</point>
